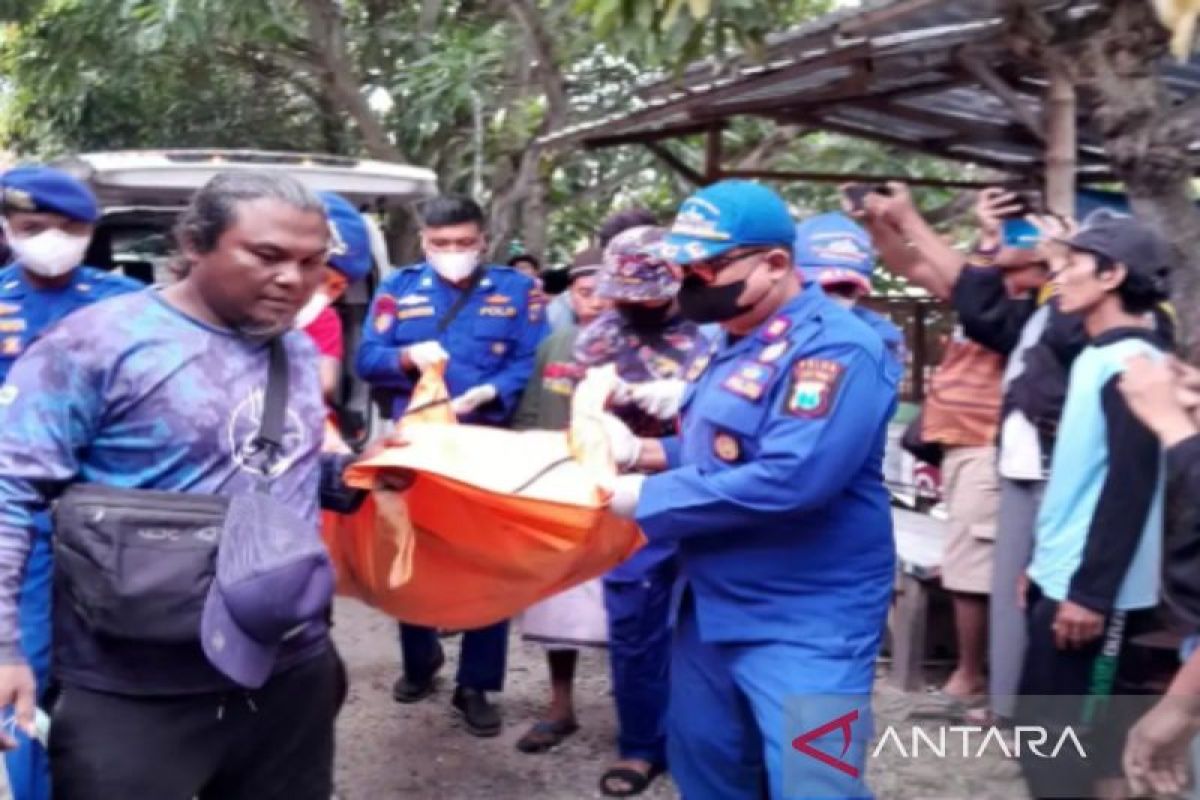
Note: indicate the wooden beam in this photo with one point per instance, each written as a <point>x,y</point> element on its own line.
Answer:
<point>675,163</point>
<point>848,177</point>
<point>920,146</point>
<point>983,73</point>
<point>1062,145</point>
<point>712,156</point>
<point>644,137</point>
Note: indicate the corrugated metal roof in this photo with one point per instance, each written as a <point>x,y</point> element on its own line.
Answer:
<point>892,70</point>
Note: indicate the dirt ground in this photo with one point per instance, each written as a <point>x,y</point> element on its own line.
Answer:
<point>422,751</point>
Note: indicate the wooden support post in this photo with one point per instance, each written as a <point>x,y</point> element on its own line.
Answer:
<point>910,616</point>
<point>1061,143</point>
<point>712,156</point>
<point>920,354</point>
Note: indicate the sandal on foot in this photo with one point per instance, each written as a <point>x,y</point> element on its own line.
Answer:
<point>635,781</point>
<point>546,734</point>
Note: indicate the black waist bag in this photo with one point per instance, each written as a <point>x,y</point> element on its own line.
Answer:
<point>138,563</point>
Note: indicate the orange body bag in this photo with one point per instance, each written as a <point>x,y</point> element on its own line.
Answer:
<point>495,520</point>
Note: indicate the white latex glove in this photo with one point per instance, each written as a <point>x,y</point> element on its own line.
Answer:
<point>424,355</point>
<point>624,445</point>
<point>622,393</point>
<point>626,492</point>
<point>660,399</point>
<point>472,399</point>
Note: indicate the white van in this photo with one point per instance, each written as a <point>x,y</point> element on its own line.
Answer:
<point>142,192</point>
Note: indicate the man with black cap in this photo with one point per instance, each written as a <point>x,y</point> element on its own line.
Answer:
<point>1098,541</point>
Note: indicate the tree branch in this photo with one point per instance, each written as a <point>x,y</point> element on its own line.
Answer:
<point>548,73</point>
<point>326,38</point>
<point>547,68</point>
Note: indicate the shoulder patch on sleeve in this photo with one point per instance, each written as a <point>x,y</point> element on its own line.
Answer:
<point>385,312</point>
<point>813,387</point>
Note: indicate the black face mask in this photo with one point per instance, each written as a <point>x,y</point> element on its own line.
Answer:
<point>640,317</point>
<point>703,303</point>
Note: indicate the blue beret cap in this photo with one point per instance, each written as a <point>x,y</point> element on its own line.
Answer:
<point>48,189</point>
<point>350,247</point>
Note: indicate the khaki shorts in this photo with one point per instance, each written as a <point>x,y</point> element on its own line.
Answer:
<point>972,490</point>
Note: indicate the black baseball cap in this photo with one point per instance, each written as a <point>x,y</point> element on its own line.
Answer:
<point>1127,241</point>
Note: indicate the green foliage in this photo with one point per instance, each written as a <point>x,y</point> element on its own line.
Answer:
<point>467,94</point>
<point>681,31</point>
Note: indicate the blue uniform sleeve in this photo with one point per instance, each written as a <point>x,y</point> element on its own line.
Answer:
<point>804,462</point>
<point>50,409</point>
<point>378,358</point>
<point>670,446</point>
<point>511,379</point>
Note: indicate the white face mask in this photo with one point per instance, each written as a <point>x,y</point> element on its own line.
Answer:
<point>456,265</point>
<point>51,253</point>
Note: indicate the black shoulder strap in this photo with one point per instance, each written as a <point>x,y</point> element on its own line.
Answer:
<point>270,432</point>
<point>461,300</point>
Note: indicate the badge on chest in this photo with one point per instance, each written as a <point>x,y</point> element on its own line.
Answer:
<point>750,380</point>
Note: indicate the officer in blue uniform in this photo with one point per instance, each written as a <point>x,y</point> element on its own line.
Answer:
<point>48,218</point>
<point>486,321</point>
<point>835,252</point>
<point>773,492</point>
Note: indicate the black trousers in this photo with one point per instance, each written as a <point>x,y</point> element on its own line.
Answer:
<point>1094,690</point>
<point>273,742</point>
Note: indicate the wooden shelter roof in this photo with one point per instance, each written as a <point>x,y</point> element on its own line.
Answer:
<point>933,76</point>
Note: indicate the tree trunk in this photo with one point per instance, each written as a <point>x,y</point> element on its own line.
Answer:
<point>1147,143</point>
<point>533,164</point>
<point>1061,143</point>
<point>327,43</point>
<point>1116,57</point>
<point>534,220</point>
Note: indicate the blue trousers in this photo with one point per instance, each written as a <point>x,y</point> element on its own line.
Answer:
<point>481,659</point>
<point>729,723</point>
<point>639,651</point>
<point>28,767</point>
